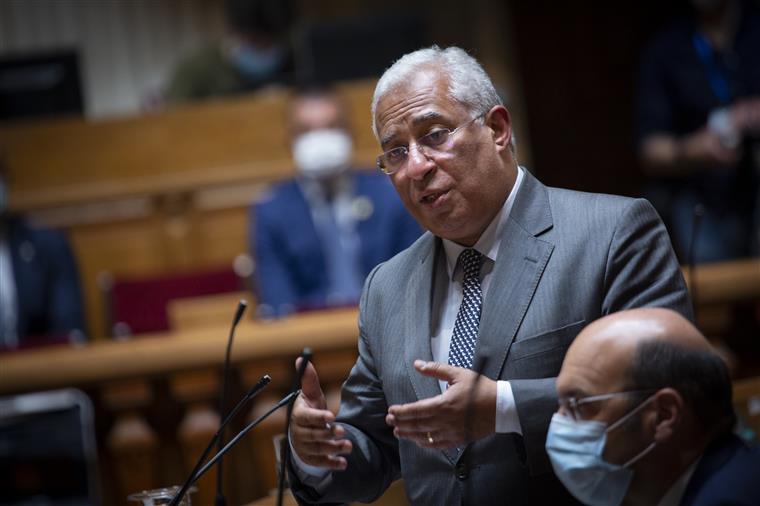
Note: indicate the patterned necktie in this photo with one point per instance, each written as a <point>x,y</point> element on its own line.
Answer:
<point>465,336</point>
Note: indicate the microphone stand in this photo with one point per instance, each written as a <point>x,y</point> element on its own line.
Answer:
<point>258,387</point>
<point>220,500</point>
<point>285,400</point>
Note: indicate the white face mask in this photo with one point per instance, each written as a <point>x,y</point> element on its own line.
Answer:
<point>575,448</point>
<point>322,153</point>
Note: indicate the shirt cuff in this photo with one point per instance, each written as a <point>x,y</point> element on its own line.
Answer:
<point>506,410</point>
<point>315,477</point>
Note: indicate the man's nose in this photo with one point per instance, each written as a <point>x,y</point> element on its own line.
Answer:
<point>418,163</point>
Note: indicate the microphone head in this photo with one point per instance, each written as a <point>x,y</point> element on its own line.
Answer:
<point>239,311</point>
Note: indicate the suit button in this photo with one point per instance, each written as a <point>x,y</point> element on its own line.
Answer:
<point>462,472</point>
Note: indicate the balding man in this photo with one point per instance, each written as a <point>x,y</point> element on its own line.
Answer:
<point>645,417</point>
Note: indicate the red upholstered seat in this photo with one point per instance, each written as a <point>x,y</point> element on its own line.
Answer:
<point>139,305</point>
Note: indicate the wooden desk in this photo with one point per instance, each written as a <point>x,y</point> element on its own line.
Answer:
<point>726,281</point>
<point>158,354</point>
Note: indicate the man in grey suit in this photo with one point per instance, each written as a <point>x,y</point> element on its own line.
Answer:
<point>508,274</point>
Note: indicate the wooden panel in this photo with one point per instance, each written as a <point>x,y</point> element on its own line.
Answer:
<point>209,311</point>
<point>215,142</point>
<point>163,353</point>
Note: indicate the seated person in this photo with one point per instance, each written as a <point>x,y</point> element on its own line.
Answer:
<point>699,129</point>
<point>40,298</point>
<point>253,54</point>
<point>646,418</point>
<point>315,238</point>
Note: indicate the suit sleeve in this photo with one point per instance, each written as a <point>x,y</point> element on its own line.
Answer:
<point>65,304</point>
<point>374,462</point>
<point>641,271</point>
<point>274,283</point>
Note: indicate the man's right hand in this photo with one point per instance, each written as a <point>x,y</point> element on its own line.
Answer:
<point>316,439</point>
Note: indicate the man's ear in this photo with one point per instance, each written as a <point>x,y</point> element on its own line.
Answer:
<point>500,123</point>
<point>666,417</point>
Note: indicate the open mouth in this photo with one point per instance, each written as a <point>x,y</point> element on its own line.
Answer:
<point>432,197</point>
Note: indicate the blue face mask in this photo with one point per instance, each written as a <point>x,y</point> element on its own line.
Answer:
<point>575,448</point>
<point>256,63</point>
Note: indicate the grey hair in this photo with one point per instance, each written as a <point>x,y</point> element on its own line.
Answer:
<point>468,82</point>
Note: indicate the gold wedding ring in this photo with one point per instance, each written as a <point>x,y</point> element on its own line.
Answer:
<point>430,438</point>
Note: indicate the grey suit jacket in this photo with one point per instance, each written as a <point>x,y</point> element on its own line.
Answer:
<point>566,258</point>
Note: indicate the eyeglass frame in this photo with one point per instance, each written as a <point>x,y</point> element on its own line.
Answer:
<point>570,404</point>
<point>419,146</point>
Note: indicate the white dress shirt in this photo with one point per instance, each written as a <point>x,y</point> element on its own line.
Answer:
<point>446,302</point>
<point>446,305</point>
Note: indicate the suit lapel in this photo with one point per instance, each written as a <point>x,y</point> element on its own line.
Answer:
<point>517,272</point>
<point>417,319</point>
<point>521,262</point>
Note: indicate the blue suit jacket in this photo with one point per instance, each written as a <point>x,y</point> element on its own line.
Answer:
<point>728,474</point>
<point>49,299</point>
<point>290,263</point>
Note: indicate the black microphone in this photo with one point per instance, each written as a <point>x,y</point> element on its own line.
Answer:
<point>306,356</point>
<point>220,501</point>
<point>285,400</point>
<point>255,389</point>
<point>699,212</point>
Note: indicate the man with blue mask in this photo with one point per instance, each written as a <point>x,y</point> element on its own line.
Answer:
<point>317,236</point>
<point>645,417</point>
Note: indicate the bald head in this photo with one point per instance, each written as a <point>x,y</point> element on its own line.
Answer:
<point>621,334</point>
<point>647,349</point>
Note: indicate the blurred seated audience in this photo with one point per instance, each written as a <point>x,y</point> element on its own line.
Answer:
<point>40,297</point>
<point>699,128</point>
<point>316,237</point>
<point>253,53</point>
<point>646,417</point>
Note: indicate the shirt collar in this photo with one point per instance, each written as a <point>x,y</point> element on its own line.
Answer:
<point>488,244</point>
<point>675,493</point>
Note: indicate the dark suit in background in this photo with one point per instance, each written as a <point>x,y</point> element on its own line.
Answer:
<point>48,294</point>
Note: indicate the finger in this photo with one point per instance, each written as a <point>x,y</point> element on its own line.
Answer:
<point>320,433</point>
<point>327,461</point>
<point>437,370</point>
<point>419,426</point>
<point>425,408</point>
<point>306,416</point>
<point>310,387</point>
<point>326,447</point>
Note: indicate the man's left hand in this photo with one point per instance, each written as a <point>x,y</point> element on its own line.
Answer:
<point>466,411</point>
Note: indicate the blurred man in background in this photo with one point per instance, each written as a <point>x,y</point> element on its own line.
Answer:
<point>254,53</point>
<point>40,297</point>
<point>699,128</point>
<point>645,417</point>
<point>315,238</point>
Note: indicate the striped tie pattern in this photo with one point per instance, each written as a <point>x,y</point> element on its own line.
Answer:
<point>465,336</point>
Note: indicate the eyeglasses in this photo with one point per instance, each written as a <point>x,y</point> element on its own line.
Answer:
<point>435,142</point>
<point>573,406</point>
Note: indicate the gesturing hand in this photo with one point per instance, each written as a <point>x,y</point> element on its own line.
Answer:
<point>466,411</point>
<point>315,438</point>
